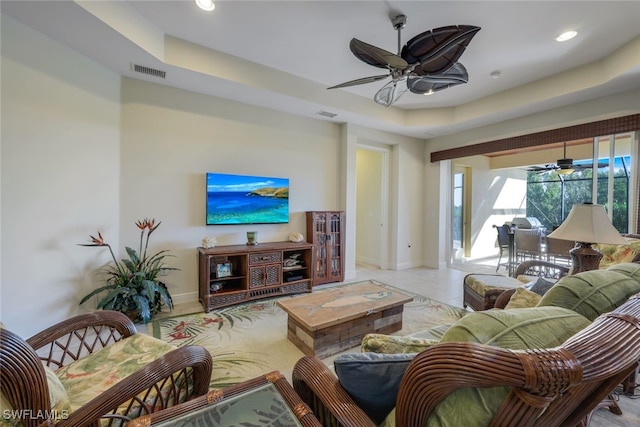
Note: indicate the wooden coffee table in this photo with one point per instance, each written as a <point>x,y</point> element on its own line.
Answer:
<point>329,321</point>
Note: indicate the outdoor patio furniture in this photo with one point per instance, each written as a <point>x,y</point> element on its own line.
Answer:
<point>528,243</point>
<point>481,291</point>
<point>504,243</point>
<point>557,250</point>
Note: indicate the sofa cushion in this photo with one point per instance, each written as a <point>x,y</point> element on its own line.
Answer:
<point>372,380</point>
<point>90,376</point>
<point>434,333</point>
<point>392,344</point>
<point>483,283</point>
<point>540,327</point>
<point>591,293</point>
<point>518,329</point>
<point>523,298</point>
<point>631,270</point>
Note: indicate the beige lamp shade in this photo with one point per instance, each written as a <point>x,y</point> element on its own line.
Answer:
<point>588,223</point>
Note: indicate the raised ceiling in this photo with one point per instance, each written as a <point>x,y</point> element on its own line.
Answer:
<point>284,54</point>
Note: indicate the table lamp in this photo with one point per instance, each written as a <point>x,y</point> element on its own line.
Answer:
<point>587,224</point>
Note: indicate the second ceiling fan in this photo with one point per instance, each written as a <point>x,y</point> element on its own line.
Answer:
<point>427,63</point>
<point>564,166</point>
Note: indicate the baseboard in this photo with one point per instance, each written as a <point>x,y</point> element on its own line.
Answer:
<point>185,298</point>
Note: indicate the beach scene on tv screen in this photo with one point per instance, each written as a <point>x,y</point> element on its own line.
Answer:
<point>243,199</point>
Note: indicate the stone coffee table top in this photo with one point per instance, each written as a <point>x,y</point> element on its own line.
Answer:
<point>328,307</point>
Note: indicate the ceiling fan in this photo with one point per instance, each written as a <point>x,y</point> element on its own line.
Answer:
<point>564,166</point>
<point>426,64</point>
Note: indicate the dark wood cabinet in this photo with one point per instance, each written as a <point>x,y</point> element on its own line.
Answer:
<point>238,273</point>
<point>325,230</point>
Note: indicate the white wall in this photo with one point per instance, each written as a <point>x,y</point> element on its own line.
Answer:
<point>60,175</point>
<point>369,215</point>
<point>84,151</point>
<point>171,138</point>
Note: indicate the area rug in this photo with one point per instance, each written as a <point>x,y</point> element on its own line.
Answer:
<point>247,340</point>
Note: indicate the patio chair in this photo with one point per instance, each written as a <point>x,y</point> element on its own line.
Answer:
<point>503,244</point>
<point>96,369</point>
<point>557,250</point>
<point>528,244</point>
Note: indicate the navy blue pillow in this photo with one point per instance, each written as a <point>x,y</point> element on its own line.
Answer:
<point>372,380</point>
<point>541,286</point>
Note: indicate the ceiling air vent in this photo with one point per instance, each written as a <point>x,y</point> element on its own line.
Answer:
<point>149,71</point>
<point>326,114</point>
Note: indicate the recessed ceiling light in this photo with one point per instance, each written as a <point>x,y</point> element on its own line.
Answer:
<point>207,5</point>
<point>568,35</point>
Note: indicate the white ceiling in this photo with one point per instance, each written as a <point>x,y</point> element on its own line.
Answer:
<point>284,54</point>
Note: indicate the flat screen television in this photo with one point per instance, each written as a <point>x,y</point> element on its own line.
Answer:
<point>244,199</point>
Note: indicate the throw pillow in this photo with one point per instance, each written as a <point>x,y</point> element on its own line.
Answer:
<point>591,293</point>
<point>522,298</point>
<point>391,344</point>
<point>615,254</point>
<point>541,286</point>
<point>57,393</point>
<point>516,329</point>
<point>372,380</point>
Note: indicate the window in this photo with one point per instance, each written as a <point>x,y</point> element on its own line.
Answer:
<point>550,196</point>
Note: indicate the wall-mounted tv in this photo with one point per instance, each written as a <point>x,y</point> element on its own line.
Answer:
<point>243,199</point>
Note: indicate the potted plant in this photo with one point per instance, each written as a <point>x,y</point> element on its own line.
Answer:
<point>133,287</point>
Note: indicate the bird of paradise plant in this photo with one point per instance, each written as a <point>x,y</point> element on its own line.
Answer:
<point>132,285</point>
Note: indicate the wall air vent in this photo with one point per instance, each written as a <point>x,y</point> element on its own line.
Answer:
<point>149,71</point>
<point>326,114</point>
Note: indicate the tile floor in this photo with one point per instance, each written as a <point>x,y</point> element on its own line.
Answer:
<point>446,285</point>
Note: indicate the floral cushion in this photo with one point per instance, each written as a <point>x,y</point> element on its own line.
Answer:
<point>90,376</point>
<point>481,283</point>
<point>616,254</point>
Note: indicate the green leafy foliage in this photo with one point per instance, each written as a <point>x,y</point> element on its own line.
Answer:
<point>550,196</point>
<point>132,284</point>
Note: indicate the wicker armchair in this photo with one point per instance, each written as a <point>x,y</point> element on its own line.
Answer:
<point>174,377</point>
<point>549,387</point>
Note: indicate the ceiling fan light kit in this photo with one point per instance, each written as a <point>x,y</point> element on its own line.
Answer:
<point>426,64</point>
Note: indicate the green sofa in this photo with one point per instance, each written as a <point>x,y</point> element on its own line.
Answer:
<point>566,309</point>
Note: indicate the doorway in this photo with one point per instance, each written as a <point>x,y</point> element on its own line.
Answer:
<point>372,206</point>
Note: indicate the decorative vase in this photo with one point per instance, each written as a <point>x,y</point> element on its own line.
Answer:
<point>252,237</point>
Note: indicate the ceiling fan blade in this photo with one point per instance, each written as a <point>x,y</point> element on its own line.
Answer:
<point>430,83</point>
<point>375,56</point>
<point>361,81</point>
<point>583,166</point>
<point>542,168</point>
<point>438,49</point>
<point>391,92</point>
